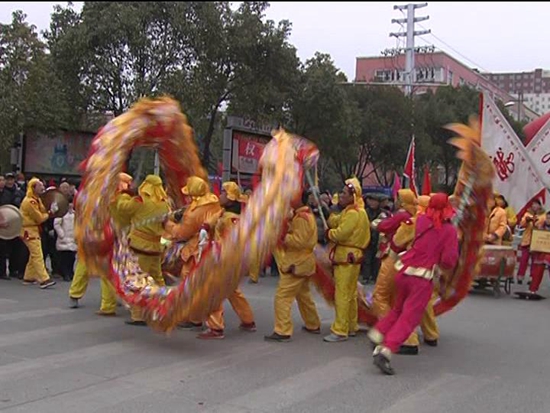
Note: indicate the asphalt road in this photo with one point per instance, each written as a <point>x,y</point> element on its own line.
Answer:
<point>493,356</point>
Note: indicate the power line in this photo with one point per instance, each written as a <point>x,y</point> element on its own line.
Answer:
<point>456,51</point>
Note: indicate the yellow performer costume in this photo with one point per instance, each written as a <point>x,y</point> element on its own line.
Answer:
<point>296,263</point>
<point>145,239</point>
<point>79,285</point>
<point>205,206</point>
<point>231,199</point>
<point>350,234</point>
<point>34,214</point>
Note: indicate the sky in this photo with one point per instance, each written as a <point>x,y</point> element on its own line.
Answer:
<point>493,37</point>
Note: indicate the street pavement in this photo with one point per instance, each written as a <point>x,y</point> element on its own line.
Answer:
<point>493,356</point>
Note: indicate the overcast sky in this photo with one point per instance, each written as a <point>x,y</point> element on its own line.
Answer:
<point>497,37</point>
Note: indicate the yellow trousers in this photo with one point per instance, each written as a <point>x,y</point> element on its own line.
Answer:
<point>240,306</point>
<point>79,285</point>
<point>291,287</point>
<point>384,295</point>
<point>254,272</point>
<point>345,299</point>
<point>36,269</point>
<point>151,265</point>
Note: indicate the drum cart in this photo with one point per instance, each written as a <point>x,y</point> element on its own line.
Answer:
<point>497,269</point>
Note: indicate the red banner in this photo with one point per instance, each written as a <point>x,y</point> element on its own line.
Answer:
<point>249,150</point>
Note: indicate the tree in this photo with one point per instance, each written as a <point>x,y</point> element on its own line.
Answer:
<point>29,87</point>
<point>240,61</point>
<point>321,111</point>
<point>434,111</point>
<point>516,125</point>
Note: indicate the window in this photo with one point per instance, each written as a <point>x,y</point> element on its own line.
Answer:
<point>450,78</point>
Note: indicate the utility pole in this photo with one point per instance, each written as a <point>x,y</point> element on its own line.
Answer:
<point>410,74</point>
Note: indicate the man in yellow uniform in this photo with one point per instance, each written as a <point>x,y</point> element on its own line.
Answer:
<point>79,285</point>
<point>296,263</point>
<point>230,199</point>
<point>350,233</point>
<point>145,239</point>
<point>34,214</point>
<point>204,206</point>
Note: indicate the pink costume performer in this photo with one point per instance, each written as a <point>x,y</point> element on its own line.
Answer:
<point>435,244</point>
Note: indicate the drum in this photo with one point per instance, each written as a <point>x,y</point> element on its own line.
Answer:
<point>498,261</point>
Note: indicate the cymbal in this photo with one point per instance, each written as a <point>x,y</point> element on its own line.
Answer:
<point>55,195</point>
<point>14,220</point>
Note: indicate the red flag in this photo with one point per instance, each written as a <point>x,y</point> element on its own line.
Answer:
<point>408,171</point>
<point>427,182</point>
<point>396,185</point>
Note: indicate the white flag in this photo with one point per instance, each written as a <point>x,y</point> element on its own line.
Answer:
<point>539,152</point>
<point>516,179</point>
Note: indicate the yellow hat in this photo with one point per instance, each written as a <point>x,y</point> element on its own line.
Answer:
<point>234,192</point>
<point>357,191</point>
<point>152,188</point>
<point>408,200</point>
<point>196,187</point>
<point>31,185</point>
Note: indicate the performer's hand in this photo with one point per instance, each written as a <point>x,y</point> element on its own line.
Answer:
<point>178,216</point>
<point>53,208</point>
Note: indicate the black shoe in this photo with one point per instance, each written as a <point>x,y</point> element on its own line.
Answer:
<point>135,323</point>
<point>408,350</point>
<point>47,284</point>
<point>431,343</point>
<point>383,364</point>
<point>520,282</point>
<point>277,337</point>
<point>4,277</point>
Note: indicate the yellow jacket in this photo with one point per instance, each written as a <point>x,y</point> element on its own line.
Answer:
<point>34,214</point>
<point>351,235</point>
<point>189,228</point>
<point>224,224</point>
<point>146,238</point>
<point>404,236</point>
<point>496,224</point>
<point>295,255</point>
<point>122,220</point>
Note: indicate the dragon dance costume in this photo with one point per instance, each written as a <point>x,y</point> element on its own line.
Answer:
<point>81,278</point>
<point>231,200</point>
<point>435,244</point>
<point>296,263</point>
<point>350,234</point>
<point>145,239</point>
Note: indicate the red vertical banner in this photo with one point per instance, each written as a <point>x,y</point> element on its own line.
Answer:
<point>409,169</point>
<point>426,182</point>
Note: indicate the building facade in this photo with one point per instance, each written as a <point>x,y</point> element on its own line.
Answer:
<point>433,70</point>
<point>532,88</point>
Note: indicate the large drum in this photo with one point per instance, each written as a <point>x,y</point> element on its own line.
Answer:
<point>497,266</point>
<point>498,261</point>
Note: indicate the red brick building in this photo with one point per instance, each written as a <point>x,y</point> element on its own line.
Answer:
<point>432,70</point>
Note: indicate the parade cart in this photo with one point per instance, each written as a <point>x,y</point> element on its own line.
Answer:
<point>497,269</point>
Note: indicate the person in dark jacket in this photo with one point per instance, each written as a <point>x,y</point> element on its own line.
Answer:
<point>13,250</point>
<point>371,263</point>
